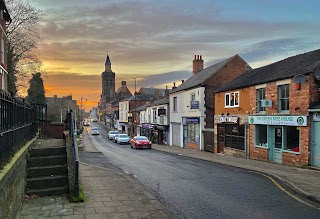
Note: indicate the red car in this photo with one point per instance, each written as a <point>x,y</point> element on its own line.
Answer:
<point>140,142</point>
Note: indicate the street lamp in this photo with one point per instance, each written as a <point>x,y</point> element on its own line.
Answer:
<point>135,103</point>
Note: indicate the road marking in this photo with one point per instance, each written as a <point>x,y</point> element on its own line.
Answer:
<point>288,193</point>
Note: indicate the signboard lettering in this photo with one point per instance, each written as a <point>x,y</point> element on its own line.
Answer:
<point>232,119</point>
<point>279,120</point>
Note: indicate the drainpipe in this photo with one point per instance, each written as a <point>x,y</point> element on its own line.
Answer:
<point>246,140</point>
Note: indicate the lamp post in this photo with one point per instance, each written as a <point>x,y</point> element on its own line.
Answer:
<point>135,103</point>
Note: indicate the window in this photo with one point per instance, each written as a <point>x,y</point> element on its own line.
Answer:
<point>292,138</point>
<point>261,95</point>
<point>260,138</point>
<point>2,48</point>
<point>193,132</point>
<point>175,104</point>
<point>232,99</point>
<point>193,97</point>
<point>154,115</point>
<point>283,95</point>
<point>234,136</point>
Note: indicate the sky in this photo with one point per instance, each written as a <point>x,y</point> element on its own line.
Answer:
<point>155,41</point>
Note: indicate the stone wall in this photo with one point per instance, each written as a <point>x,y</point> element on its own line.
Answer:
<point>13,183</point>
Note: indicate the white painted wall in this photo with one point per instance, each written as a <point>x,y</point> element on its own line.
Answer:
<point>184,110</point>
<point>123,111</point>
<point>151,110</point>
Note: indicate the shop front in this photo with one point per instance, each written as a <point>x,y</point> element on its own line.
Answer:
<point>191,132</point>
<point>147,130</point>
<point>230,136</point>
<point>280,138</point>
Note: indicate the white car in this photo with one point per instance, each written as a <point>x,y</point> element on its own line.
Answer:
<point>122,139</point>
<point>111,134</point>
<point>95,131</point>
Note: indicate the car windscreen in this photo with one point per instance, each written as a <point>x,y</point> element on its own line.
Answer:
<point>113,132</point>
<point>94,128</point>
<point>123,136</point>
<point>141,138</point>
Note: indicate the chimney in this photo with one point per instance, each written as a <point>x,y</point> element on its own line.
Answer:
<point>123,86</point>
<point>166,92</point>
<point>174,85</point>
<point>182,81</point>
<point>197,64</point>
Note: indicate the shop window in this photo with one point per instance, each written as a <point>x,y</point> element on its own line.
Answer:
<point>291,138</point>
<point>234,136</point>
<point>193,132</point>
<point>261,95</point>
<point>232,99</point>
<point>154,115</point>
<point>283,95</point>
<point>260,135</point>
<point>193,97</point>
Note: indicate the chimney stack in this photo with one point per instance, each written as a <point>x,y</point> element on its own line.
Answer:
<point>174,85</point>
<point>197,64</point>
<point>182,81</point>
<point>123,86</point>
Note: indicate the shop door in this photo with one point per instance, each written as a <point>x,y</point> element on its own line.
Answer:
<point>277,151</point>
<point>176,135</point>
<point>185,136</point>
<point>315,148</point>
<point>221,139</point>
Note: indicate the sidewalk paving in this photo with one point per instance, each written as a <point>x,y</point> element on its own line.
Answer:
<point>306,182</point>
<point>109,192</point>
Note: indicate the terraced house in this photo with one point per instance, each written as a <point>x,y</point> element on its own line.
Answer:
<point>281,104</point>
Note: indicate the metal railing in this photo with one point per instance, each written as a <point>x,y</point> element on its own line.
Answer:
<point>17,126</point>
<point>75,155</point>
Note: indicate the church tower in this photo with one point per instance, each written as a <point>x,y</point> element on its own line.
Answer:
<point>108,81</point>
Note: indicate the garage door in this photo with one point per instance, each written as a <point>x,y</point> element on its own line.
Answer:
<point>176,135</point>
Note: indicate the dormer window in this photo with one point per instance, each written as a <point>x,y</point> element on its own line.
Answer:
<point>232,99</point>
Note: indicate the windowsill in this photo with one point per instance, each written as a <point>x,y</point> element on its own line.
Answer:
<point>283,113</point>
<point>231,106</point>
<point>291,152</point>
<point>258,146</point>
<point>261,113</point>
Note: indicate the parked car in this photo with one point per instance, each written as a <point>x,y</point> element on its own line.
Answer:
<point>122,139</point>
<point>95,131</point>
<point>140,142</point>
<point>111,134</point>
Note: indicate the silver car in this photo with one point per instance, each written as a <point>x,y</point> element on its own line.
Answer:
<point>122,139</point>
<point>111,134</point>
<point>94,131</point>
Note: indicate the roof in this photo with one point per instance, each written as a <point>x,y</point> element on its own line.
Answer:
<point>300,64</point>
<point>160,102</point>
<point>152,90</point>
<point>200,77</point>
<point>143,97</point>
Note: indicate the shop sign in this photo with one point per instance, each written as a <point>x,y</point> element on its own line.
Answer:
<point>186,120</point>
<point>147,126</point>
<point>316,117</point>
<point>232,119</point>
<point>279,120</point>
<point>194,104</point>
<point>121,124</point>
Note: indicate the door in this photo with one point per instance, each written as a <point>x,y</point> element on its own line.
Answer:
<point>315,147</point>
<point>277,152</point>
<point>208,140</point>
<point>221,139</point>
<point>185,136</point>
<point>176,135</point>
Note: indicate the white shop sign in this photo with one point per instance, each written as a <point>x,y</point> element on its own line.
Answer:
<point>279,120</point>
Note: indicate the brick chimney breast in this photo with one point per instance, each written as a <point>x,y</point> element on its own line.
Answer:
<point>197,64</point>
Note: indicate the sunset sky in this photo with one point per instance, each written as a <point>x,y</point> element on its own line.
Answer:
<point>155,41</point>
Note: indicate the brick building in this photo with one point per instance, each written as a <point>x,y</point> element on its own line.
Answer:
<point>192,103</point>
<point>284,110</point>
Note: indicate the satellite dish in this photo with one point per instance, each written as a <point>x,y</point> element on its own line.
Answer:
<point>317,74</point>
<point>299,79</point>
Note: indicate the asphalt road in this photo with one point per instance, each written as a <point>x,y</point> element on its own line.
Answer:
<point>192,188</point>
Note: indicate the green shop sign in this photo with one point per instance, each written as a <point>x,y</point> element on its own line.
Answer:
<point>279,120</point>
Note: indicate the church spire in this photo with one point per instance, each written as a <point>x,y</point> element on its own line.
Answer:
<point>108,64</point>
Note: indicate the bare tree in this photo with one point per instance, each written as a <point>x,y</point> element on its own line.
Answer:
<point>23,38</point>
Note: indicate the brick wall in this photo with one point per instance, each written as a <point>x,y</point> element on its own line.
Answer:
<point>192,146</point>
<point>13,183</point>
<point>230,71</point>
<point>56,130</point>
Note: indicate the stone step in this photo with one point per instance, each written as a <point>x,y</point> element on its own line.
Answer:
<point>47,161</point>
<point>48,151</point>
<point>53,191</point>
<point>47,182</point>
<point>33,172</point>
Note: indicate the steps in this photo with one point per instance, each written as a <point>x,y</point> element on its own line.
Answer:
<point>47,171</point>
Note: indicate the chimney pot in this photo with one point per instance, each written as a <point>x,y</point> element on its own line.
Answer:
<point>200,57</point>
<point>195,57</point>
<point>182,81</point>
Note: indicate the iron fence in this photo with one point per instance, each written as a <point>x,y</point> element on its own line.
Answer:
<point>70,123</point>
<point>17,126</point>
